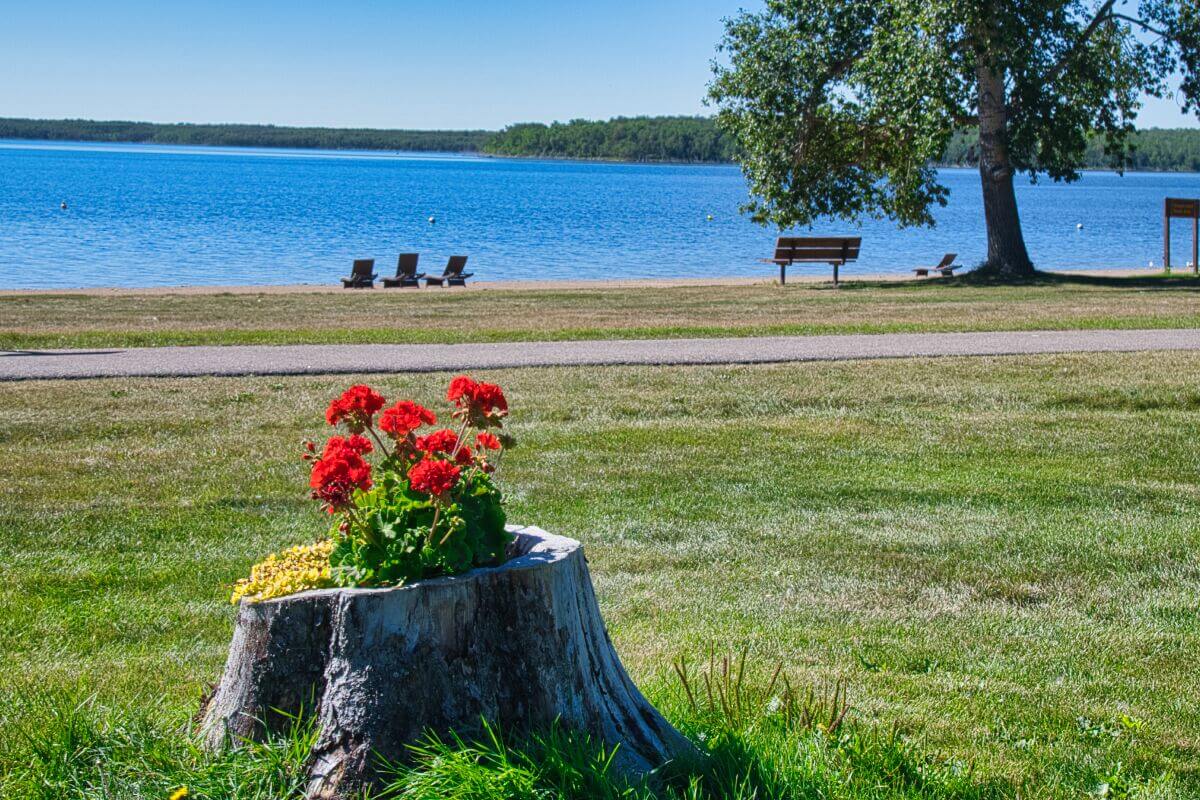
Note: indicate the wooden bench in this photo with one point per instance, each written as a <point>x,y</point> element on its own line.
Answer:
<point>833,250</point>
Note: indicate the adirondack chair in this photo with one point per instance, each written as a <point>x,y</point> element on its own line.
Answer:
<point>406,272</point>
<point>946,267</point>
<point>453,275</point>
<point>362,276</point>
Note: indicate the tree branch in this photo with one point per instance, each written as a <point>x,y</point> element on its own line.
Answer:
<point>835,72</point>
<point>1142,24</point>
<point>838,69</point>
<point>1103,13</point>
<point>1064,61</point>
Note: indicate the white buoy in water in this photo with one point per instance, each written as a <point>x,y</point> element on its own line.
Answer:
<point>1078,226</point>
<point>710,217</point>
<point>432,219</point>
<point>63,205</point>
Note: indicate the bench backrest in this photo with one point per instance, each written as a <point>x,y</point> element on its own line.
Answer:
<point>363,267</point>
<point>826,250</point>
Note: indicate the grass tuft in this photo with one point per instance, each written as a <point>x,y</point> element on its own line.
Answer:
<point>64,747</point>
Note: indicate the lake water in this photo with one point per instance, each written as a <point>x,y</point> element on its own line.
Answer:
<point>151,216</point>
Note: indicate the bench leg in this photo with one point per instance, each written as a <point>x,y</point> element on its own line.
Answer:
<point>835,275</point>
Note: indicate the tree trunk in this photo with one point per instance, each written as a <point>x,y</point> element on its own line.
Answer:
<point>520,645</point>
<point>1007,255</point>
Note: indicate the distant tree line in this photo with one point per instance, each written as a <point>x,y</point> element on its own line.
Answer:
<point>645,139</point>
<point>697,139</point>
<point>690,139</point>
<point>1155,150</point>
<point>79,130</point>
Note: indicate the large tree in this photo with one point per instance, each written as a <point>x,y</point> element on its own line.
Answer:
<point>838,107</point>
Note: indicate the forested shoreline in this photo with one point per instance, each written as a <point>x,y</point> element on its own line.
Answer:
<point>671,139</point>
<point>229,135</point>
<point>1155,150</point>
<point>637,139</point>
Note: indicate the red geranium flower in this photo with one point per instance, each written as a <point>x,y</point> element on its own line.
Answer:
<point>339,471</point>
<point>483,397</point>
<point>487,441</point>
<point>405,417</point>
<point>356,406</point>
<point>489,397</point>
<point>461,387</point>
<point>359,443</point>
<point>433,476</point>
<point>354,443</point>
<point>445,441</point>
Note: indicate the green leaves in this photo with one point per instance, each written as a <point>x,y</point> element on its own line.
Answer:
<point>392,542</point>
<point>837,109</point>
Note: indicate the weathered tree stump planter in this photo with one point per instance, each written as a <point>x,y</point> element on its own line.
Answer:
<point>520,645</point>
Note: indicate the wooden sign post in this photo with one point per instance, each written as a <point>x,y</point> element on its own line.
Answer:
<point>1178,208</point>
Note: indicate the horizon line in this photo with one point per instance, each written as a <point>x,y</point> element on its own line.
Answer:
<point>422,130</point>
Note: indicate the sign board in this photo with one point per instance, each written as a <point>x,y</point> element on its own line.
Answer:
<point>1185,209</point>
<point>1175,208</point>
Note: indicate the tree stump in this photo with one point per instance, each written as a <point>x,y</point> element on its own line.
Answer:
<point>521,645</point>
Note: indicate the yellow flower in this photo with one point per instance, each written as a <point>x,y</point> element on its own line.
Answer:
<point>296,569</point>
<point>179,793</point>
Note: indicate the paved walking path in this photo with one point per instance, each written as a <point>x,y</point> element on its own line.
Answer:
<point>333,359</point>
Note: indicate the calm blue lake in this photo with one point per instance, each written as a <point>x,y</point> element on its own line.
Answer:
<point>151,216</point>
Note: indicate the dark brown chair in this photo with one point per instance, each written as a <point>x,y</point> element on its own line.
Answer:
<point>406,272</point>
<point>362,276</point>
<point>946,267</point>
<point>452,275</point>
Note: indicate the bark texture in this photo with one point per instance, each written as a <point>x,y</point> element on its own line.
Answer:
<point>521,645</point>
<point>1007,254</point>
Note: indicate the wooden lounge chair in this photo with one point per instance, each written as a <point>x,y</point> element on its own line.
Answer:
<point>406,272</point>
<point>946,267</point>
<point>362,276</point>
<point>833,250</point>
<point>453,274</point>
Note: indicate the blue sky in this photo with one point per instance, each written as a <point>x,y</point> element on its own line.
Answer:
<point>403,64</point>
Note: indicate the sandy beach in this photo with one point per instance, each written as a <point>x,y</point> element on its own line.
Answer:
<point>550,285</point>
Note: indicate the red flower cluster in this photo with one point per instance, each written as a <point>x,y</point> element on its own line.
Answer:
<point>405,417</point>
<point>444,441</point>
<point>340,445</point>
<point>482,397</point>
<point>433,463</point>
<point>355,407</point>
<point>426,487</point>
<point>340,470</point>
<point>433,476</point>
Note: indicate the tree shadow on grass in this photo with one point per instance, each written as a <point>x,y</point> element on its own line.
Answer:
<point>1176,282</point>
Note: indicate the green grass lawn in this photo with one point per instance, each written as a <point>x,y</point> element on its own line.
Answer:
<point>514,314</point>
<point>998,555</point>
